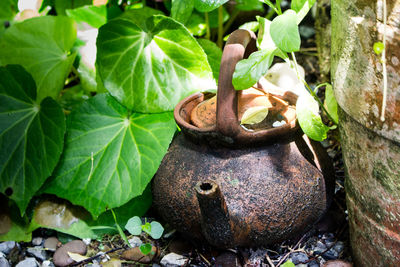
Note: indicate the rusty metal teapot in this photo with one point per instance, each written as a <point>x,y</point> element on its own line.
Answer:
<point>231,186</point>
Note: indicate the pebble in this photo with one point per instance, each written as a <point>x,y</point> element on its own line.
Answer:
<point>134,254</point>
<point>87,241</point>
<point>313,264</point>
<point>4,262</point>
<point>6,247</point>
<point>112,263</point>
<point>135,241</point>
<point>37,241</point>
<point>28,262</point>
<point>278,123</point>
<point>173,260</point>
<point>319,248</point>
<point>61,257</point>
<point>47,263</point>
<point>51,243</point>
<point>38,252</point>
<point>227,259</point>
<point>298,257</point>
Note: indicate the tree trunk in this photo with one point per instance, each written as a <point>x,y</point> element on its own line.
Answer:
<point>371,148</point>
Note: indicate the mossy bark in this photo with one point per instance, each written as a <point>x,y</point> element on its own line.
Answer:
<point>371,147</point>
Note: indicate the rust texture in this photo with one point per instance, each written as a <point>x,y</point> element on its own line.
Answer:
<point>233,187</point>
<point>371,148</point>
<point>271,192</point>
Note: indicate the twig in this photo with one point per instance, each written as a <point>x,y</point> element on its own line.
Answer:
<point>293,250</point>
<point>269,260</point>
<point>95,256</point>
<point>383,59</point>
<point>203,258</point>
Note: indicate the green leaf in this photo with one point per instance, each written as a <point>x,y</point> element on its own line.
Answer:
<point>95,16</point>
<point>151,69</point>
<point>12,226</point>
<point>196,24</point>
<point>182,10</point>
<point>145,248</point>
<point>213,17</point>
<point>378,48</point>
<point>310,121</point>
<point>251,26</point>
<point>249,5</point>
<point>8,9</point>
<point>156,230</point>
<point>110,155</point>
<point>120,231</point>
<point>146,228</point>
<point>31,136</point>
<point>42,46</point>
<point>264,39</point>
<point>288,264</point>
<point>208,5</point>
<point>301,7</point>
<point>285,32</point>
<point>134,225</point>
<point>214,55</point>
<point>331,104</point>
<point>254,115</point>
<point>62,5</point>
<point>249,71</point>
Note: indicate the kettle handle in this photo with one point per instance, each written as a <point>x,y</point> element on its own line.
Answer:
<point>240,44</point>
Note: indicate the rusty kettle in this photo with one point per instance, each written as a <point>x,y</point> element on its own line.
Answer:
<point>233,187</point>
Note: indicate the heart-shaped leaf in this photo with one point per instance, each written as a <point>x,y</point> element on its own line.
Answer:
<point>285,32</point>
<point>31,136</point>
<point>145,248</point>
<point>42,46</point>
<point>249,71</point>
<point>208,5</point>
<point>95,16</point>
<point>150,65</point>
<point>134,225</point>
<point>110,155</point>
<point>307,110</point>
<point>156,230</point>
<point>302,7</point>
<point>182,10</point>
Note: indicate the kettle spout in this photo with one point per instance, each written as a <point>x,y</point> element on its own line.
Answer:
<point>215,221</point>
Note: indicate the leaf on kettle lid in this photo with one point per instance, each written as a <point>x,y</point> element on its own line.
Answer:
<point>254,115</point>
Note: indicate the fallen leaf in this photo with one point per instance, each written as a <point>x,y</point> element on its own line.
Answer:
<point>254,115</point>
<point>77,257</point>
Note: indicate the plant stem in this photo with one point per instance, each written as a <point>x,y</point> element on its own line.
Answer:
<point>208,33</point>
<point>228,24</point>
<point>312,93</point>
<point>120,231</point>
<point>383,59</point>
<point>220,26</point>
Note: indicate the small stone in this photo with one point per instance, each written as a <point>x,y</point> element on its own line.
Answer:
<point>319,248</point>
<point>6,247</point>
<point>134,254</point>
<point>47,263</point>
<point>51,243</point>
<point>337,263</point>
<point>339,246</point>
<point>173,260</point>
<point>4,262</point>
<point>227,259</point>
<point>135,241</point>
<point>38,252</point>
<point>278,123</point>
<point>61,257</point>
<point>156,265</point>
<point>298,257</point>
<point>28,262</point>
<point>301,265</point>
<point>313,264</point>
<point>331,254</point>
<point>37,241</point>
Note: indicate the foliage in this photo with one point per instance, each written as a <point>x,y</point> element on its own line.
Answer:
<point>86,95</point>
